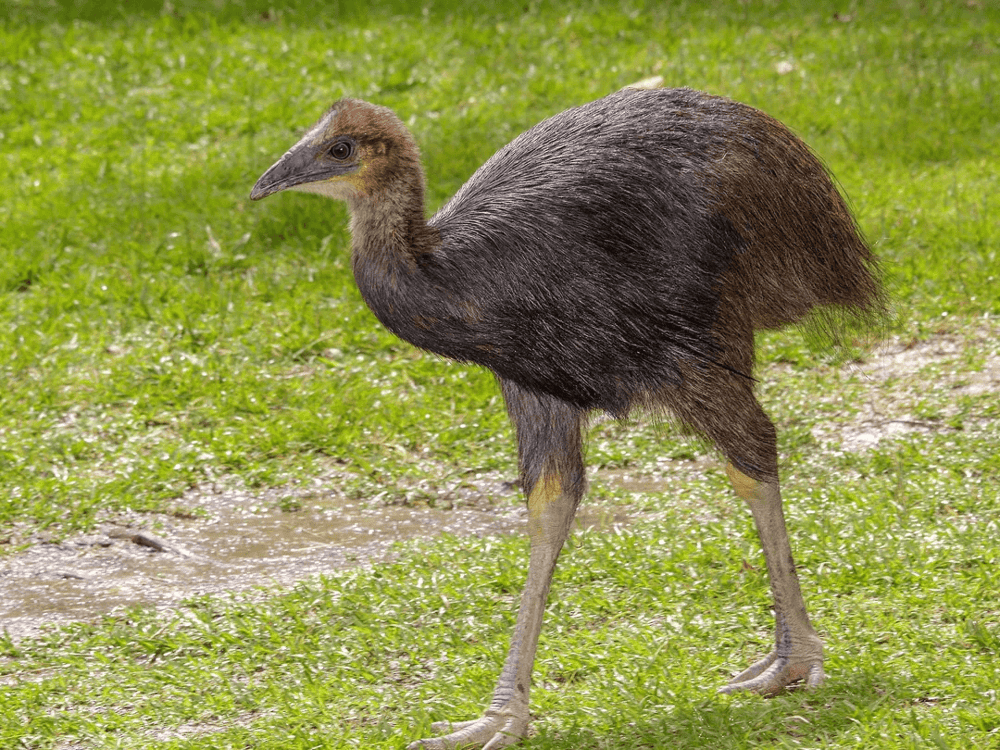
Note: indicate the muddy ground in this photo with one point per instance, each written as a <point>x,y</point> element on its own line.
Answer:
<point>242,540</point>
<point>239,540</point>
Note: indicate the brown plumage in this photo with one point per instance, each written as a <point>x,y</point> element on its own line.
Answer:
<point>619,255</point>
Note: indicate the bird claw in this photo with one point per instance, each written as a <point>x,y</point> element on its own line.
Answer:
<point>493,731</point>
<point>774,673</point>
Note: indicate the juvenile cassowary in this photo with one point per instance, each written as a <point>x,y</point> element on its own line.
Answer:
<point>617,256</point>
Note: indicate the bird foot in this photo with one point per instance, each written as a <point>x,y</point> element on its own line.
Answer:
<point>494,730</point>
<point>774,673</point>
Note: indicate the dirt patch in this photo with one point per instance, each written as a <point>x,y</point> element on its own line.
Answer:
<point>916,386</point>
<point>237,541</point>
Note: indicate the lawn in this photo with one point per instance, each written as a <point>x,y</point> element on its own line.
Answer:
<point>158,332</point>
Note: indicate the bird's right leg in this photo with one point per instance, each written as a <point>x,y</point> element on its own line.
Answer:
<point>549,444</point>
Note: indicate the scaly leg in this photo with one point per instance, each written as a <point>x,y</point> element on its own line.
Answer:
<point>549,443</point>
<point>798,652</point>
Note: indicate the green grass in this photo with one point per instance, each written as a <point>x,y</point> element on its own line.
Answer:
<point>158,332</point>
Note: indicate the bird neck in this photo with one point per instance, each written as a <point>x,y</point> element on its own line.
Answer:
<point>390,220</point>
<point>392,247</point>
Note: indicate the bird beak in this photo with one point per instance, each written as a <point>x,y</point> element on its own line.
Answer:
<point>302,164</point>
<point>271,181</point>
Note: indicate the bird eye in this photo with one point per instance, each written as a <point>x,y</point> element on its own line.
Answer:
<point>341,150</point>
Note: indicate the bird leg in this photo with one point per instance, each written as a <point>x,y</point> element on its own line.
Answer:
<point>550,516</point>
<point>798,652</point>
<point>550,456</point>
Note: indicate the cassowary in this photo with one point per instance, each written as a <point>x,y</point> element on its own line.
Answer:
<point>617,256</point>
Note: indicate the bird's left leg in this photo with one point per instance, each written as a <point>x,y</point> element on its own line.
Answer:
<point>552,476</point>
<point>798,652</point>
<point>720,402</point>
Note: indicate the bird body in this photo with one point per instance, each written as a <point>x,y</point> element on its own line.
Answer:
<point>618,255</point>
<point>537,244</point>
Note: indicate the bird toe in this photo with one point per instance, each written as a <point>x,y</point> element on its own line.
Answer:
<point>493,731</point>
<point>774,673</point>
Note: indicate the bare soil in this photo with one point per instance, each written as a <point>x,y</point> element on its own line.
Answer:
<point>237,540</point>
<point>906,376</point>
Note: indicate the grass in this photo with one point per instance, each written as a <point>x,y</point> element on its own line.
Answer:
<point>158,332</point>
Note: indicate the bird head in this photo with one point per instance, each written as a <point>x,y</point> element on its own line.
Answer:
<point>356,150</point>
